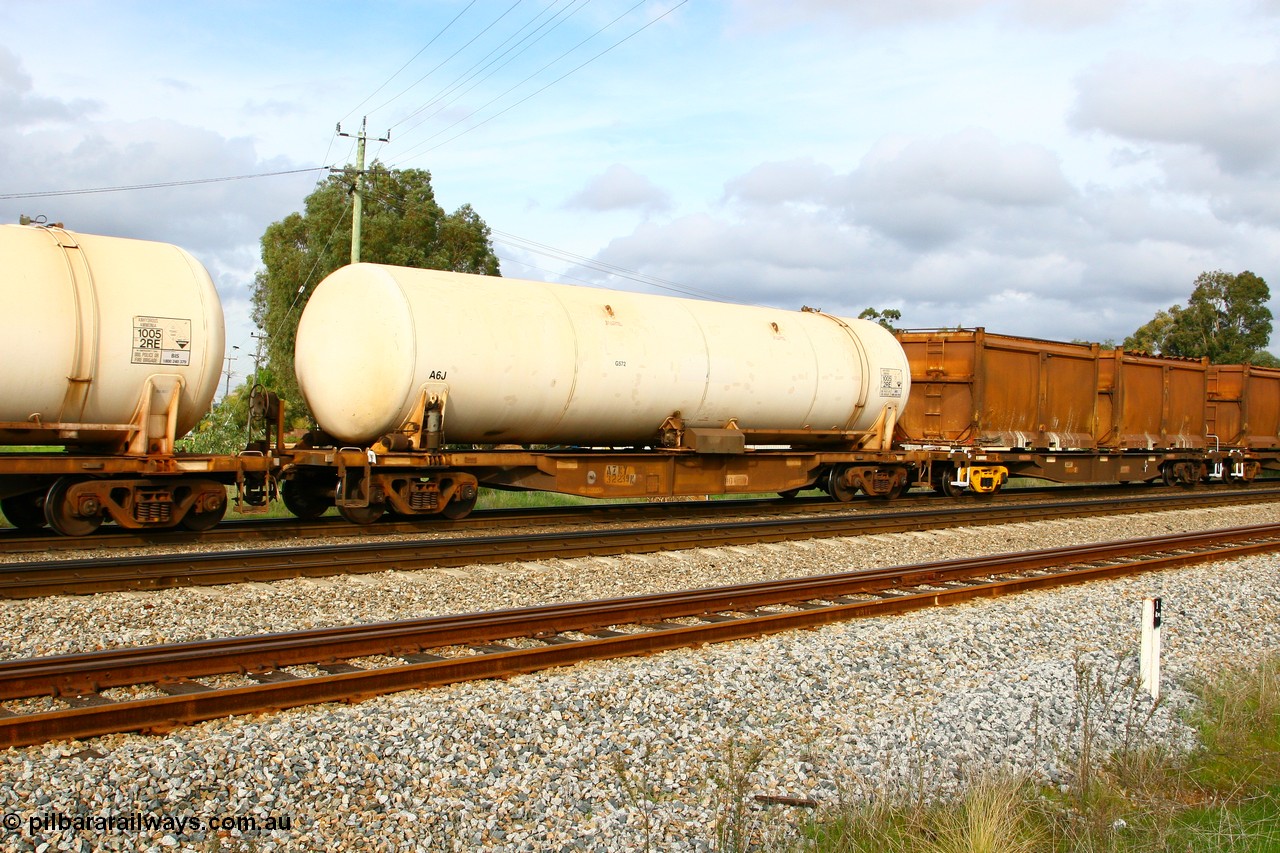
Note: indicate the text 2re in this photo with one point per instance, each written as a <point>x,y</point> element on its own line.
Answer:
<point>149,338</point>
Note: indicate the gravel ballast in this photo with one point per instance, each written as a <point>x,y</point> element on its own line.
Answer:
<point>621,755</point>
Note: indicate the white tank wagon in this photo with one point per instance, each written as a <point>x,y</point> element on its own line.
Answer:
<point>412,361</point>
<point>110,349</point>
<point>522,362</point>
<point>106,341</point>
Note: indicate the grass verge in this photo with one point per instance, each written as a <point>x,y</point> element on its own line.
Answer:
<point>1224,796</point>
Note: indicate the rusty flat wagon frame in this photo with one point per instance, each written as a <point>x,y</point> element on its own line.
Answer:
<point>74,491</point>
<point>140,485</point>
<point>366,482</point>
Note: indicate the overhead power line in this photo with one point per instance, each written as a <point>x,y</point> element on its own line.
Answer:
<point>564,255</point>
<point>497,59</point>
<point>449,57</point>
<point>159,184</point>
<point>387,82</point>
<point>607,268</point>
<point>409,154</point>
<point>315,265</point>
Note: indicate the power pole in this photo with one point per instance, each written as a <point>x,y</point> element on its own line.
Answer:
<point>357,189</point>
<point>230,358</point>
<point>257,365</point>
<point>257,356</point>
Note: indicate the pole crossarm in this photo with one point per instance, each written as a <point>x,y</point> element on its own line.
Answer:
<point>357,189</point>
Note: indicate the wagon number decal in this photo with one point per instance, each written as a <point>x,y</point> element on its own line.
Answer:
<point>619,475</point>
<point>890,382</point>
<point>161,340</point>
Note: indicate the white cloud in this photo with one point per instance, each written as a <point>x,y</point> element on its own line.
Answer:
<point>22,108</point>
<point>1231,112</point>
<point>55,146</point>
<point>775,183</point>
<point>1053,14</point>
<point>921,192</point>
<point>972,166</point>
<point>960,229</point>
<point>208,217</point>
<point>766,14</point>
<point>620,188</point>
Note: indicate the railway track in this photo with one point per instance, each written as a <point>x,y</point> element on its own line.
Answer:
<point>264,531</point>
<point>162,571</point>
<point>287,670</point>
<point>267,530</point>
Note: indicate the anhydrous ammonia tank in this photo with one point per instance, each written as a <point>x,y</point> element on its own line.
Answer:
<point>85,321</point>
<point>531,362</point>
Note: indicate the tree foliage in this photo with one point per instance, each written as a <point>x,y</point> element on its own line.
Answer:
<point>885,318</point>
<point>1226,318</point>
<point>402,224</point>
<point>223,429</point>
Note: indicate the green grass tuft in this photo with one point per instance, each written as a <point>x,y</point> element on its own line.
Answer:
<point>1225,796</point>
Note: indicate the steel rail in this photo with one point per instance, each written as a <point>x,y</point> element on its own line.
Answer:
<point>250,529</point>
<point>93,671</point>
<point>727,613</point>
<point>162,571</point>
<point>266,530</point>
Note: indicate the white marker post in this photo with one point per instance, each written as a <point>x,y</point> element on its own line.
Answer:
<point>1149,666</point>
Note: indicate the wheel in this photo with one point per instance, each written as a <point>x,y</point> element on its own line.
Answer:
<point>1183,474</point>
<point>199,521</point>
<point>362,514</point>
<point>948,486</point>
<point>25,512</point>
<point>459,507</point>
<point>305,497</point>
<point>836,487</point>
<point>62,515</point>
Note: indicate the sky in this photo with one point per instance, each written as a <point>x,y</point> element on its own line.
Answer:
<point>1058,169</point>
